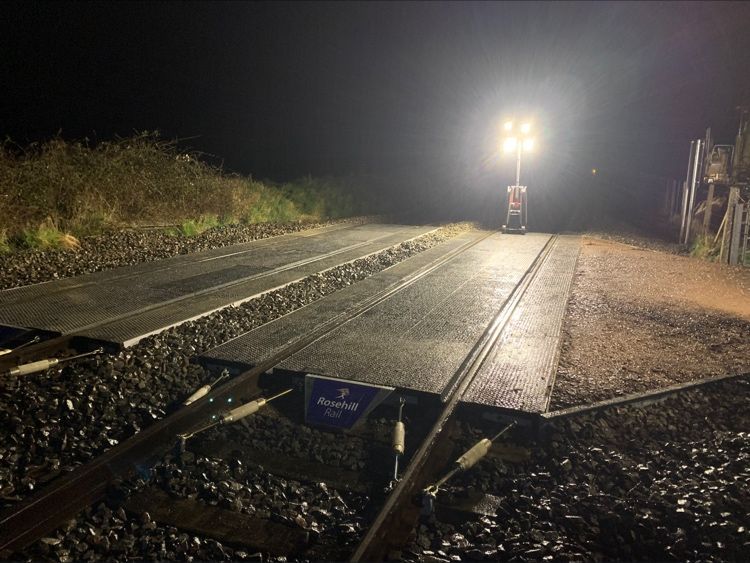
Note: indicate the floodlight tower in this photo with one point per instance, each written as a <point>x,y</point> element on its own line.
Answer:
<point>515,220</point>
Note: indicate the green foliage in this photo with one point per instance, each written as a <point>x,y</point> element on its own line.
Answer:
<point>4,243</point>
<point>704,247</point>
<point>320,197</point>
<point>44,236</point>
<point>192,227</point>
<point>48,189</point>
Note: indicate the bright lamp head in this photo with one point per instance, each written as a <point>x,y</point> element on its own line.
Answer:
<point>508,126</point>
<point>510,144</point>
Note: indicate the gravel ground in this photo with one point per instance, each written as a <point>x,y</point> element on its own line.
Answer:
<point>54,421</point>
<point>128,247</point>
<point>665,482</point>
<point>639,320</point>
<point>278,434</point>
<point>640,241</point>
<point>331,518</point>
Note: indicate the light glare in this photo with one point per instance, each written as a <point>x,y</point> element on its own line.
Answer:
<point>510,144</point>
<point>528,145</point>
<point>526,127</point>
<point>508,126</point>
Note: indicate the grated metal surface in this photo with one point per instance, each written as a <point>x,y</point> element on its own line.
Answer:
<point>518,374</point>
<point>132,328</point>
<point>265,341</point>
<point>31,292</point>
<point>418,338</point>
<point>124,304</point>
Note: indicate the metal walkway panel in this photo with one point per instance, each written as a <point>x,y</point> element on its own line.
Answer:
<point>63,305</point>
<point>132,328</point>
<point>134,271</point>
<point>519,372</point>
<point>219,276</point>
<point>418,338</point>
<point>260,344</point>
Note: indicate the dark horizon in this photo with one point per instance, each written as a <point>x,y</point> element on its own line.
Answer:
<point>412,91</point>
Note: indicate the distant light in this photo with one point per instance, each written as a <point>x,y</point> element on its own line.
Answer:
<point>528,145</point>
<point>508,126</point>
<point>510,144</point>
<point>594,171</point>
<point>526,127</point>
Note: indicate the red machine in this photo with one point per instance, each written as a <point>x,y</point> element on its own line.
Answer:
<point>515,220</point>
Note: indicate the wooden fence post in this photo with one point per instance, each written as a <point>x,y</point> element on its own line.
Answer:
<point>709,206</point>
<point>732,200</point>
<point>734,245</point>
<point>684,215</point>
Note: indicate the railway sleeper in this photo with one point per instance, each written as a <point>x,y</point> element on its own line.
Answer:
<point>226,526</point>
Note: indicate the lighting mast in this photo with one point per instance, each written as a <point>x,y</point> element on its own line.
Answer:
<point>516,217</point>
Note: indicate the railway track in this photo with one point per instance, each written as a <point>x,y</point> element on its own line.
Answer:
<point>389,517</point>
<point>83,409</point>
<point>23,348</point>
<point>399,513</point>
<point>88,484</point>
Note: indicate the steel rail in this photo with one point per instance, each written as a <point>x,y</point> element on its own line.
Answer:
<point>64,498</point>
<point>382,534</point>
<point>640,399</point>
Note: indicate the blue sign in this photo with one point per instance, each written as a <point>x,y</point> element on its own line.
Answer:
<point>340,403</point>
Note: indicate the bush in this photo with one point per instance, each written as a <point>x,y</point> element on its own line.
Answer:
<point>704,247</point>
<point>59,187</point>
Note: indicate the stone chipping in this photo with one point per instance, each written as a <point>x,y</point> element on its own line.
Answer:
<point>666,482</point>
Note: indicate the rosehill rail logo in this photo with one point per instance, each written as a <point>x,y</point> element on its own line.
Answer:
<point>351,403</point>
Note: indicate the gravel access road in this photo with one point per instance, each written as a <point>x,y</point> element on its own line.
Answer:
<point>638,320</point>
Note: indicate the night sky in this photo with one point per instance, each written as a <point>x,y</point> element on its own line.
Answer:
<point>414,91</point>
